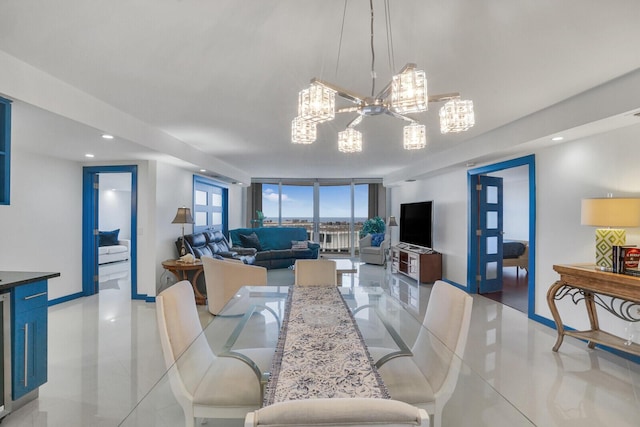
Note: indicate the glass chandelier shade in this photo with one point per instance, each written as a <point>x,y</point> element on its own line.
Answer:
<point>317,103</point>
<point>303,131</point>
<point>350,141</point>
<point>409,92</point>
<point>415,136</point>
<point>456,116</point>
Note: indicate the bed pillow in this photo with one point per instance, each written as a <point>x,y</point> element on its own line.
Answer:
<point>250,241</point>
<point>108,238</point>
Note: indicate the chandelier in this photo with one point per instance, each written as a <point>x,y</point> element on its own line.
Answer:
<point>405,94</point>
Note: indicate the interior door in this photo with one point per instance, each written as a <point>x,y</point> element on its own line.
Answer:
<point>490,225</point>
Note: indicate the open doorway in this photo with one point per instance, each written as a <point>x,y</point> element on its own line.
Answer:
<point>517,250</point>
<point>109,228</point>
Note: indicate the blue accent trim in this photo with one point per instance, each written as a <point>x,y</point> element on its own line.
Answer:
<point>150,299</point>
<point>472,240</point>
<point>65,299</point>
<point>5,151</point>
<point>90,222</point>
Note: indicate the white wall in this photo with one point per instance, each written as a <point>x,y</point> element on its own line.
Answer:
<point>42,227</point>
<point>566,173</point>
<point>114,205</point>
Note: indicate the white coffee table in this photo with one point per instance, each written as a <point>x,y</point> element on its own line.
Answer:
<point>344,266</point>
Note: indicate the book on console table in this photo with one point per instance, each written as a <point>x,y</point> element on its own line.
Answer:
<point>626,259</point>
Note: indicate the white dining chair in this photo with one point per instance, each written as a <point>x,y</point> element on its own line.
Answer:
<point>315,272</point>
<point>224,278</point>
<point>352,412</point>
<point>205,386</point>
<point>428,379</point>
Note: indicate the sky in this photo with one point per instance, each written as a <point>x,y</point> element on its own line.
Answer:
<point>297,201</point>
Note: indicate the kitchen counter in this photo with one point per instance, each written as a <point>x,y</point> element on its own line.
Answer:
<point>11,279</point>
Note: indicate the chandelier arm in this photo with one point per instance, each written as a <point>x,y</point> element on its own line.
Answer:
<point>444,97</point>
<point>401,116</point>
<point>355,122</point>
<point>344,93</point>
<point>348,109</point>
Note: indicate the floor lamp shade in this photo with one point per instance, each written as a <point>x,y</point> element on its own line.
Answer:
<point>609,215</point>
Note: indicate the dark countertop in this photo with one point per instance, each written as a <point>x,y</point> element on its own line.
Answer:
<point>10,279</point>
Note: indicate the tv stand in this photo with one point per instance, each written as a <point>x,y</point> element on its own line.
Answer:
<point>420,263</point>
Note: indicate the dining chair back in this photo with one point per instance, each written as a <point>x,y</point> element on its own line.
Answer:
<point>224,278</point>
<point>429,378</point>
<point>352,412</point>
<point>205,386</point>
<point>315,272</point>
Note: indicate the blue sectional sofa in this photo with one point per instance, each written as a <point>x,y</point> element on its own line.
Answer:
<point>276,247</point>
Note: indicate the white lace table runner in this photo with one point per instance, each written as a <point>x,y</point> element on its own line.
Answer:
<point>321,353</point>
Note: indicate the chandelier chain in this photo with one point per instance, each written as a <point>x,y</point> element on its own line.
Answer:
<point>373,55</point>
<point>344,14</point>
<point>390,53</point>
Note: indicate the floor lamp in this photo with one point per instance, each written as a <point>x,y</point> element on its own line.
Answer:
<point>183,216</point>
<point>609,215</point>
<point>390,223</point>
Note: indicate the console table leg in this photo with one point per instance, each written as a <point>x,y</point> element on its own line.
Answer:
<point>593,315</point>
<point>551,301</point>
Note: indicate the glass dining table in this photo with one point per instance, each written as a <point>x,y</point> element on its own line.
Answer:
<point>256,317</point>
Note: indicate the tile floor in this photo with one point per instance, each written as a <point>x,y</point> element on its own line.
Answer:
<point>104,355</point>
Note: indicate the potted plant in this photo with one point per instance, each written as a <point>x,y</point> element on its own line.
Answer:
<point>372,226</point>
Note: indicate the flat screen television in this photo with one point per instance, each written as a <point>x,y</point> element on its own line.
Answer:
<point>416,221</point>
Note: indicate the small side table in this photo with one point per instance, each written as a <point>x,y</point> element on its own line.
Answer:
<point>181,271</point>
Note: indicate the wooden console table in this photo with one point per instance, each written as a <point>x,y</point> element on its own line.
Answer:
<point>181,271</point>
<point>585,282</point>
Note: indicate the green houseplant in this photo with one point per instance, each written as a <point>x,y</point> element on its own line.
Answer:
<point>372,226</point>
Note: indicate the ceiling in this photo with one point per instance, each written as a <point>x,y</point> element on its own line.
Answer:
<point>217,80</point>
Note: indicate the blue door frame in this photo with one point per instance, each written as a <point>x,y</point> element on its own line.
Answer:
<point>90,223</point>
<point>472,263</point>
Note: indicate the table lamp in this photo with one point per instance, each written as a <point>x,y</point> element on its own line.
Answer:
<point>183,216</point>
<point>609,215</point>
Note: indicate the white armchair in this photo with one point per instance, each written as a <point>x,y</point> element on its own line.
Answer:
<point>225,277</point>
<point>373,254</point>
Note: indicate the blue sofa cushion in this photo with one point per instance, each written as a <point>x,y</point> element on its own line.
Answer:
<point>250,241</point>
<point>377,239</point>
<point>270,237</point>
<point>108,238</point>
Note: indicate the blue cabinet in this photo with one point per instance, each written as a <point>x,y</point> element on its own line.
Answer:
<point>29,337</point>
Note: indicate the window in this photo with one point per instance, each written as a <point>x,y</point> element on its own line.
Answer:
<point>332,212</point>
<point>5,150</point>
<point>210,207</point>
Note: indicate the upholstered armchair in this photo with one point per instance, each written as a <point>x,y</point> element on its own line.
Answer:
<point>373,254</point>
<point>353,412</point>
<point>225,277</point>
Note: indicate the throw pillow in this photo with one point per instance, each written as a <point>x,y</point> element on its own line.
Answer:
<point>376,239</point>
<point>299,244</point>
<point>108,238</point>
<point>250,241</point>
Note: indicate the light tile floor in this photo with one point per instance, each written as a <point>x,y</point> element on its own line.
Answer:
<point>104,355</point>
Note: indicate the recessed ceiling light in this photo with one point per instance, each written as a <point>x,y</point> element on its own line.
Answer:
<point>203,170</point>
<point>91,156</point>
<point>557,138</point>
<point>107,136</point>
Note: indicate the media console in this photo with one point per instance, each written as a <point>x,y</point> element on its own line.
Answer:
<point>422,264</point>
